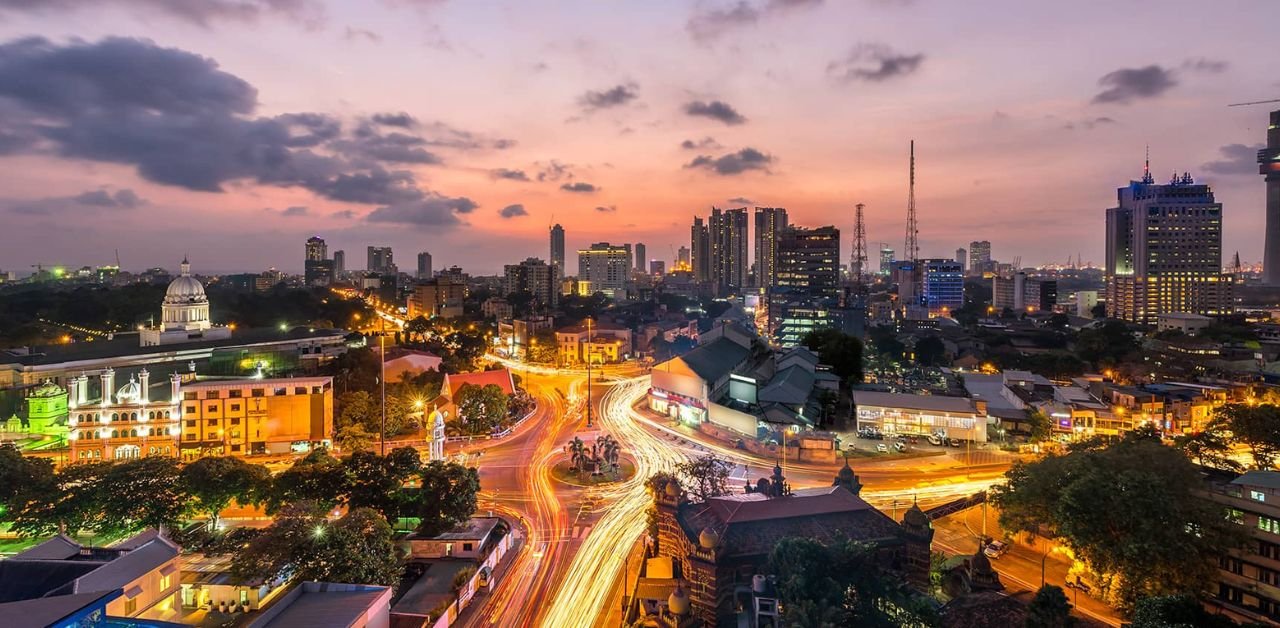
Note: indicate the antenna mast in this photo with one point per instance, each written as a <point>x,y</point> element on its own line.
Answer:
<point>912,251</point>
<point>859,245</point>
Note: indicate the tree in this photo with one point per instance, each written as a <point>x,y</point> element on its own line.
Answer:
<point>542,347</point>
<point>930,351</point>
<point>73,503</point>
<point>22,480</point>
<point>481,409</point>
<point>365,409</point>
<point>1176,611</point>
<point>1039,424</point>
<point>417,328</point>
<point>318,478</point>
<point>355,549</point>
<point>140,493</point>
<point>706,477</point>
<point>447,496</point>
<point>1209,447</point>
<point>1050,609</point>
<point>354,438</point>
<point>377,482</point>
<point>1107,344</point>
<point>1255,426</point>
<point>217,480</point>
<point>1102,500</point>
<point>840,351</point>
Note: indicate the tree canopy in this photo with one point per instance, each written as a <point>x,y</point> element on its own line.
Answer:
<point>446,498</point>
<point>217,480</point>
<point>481,409</point>
<point>705,477</point>
<point>1050,609</point>
<point>842,352</point>
<point>357,548</point>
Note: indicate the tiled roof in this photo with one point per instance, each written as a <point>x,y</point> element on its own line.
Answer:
<point>791,385</point>
<point>56,548</point>
<point>129,567</point>
<point>500,378</point>
<point>50,611</point>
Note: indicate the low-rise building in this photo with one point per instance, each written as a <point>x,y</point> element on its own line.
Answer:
<point>1247,586</point>
<point>598,343</point>
<point>921,415</point>
<point>1185,322</point>
<point>328,604</point>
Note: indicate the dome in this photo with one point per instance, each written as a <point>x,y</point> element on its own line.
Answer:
<point>673,488</point>
<point>708,539</point>
<point>185,289</point>
<point>47,389</point>
<point>916,517</point>
<point>130,392</point>
<point>678,601</point>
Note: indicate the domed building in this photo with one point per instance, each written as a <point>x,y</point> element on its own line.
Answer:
<point>184,314</point>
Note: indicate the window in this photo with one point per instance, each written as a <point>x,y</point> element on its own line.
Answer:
<point>191,410</point>
<point>466,547</point>
<point>281,391</point>
<point>1267,524</point>
<point>190,394</point>
<point>211,408</point>
<point>212,394</point>
<point>300,390</point>
<point>235,421</point>
<point>211,423</point>
<point>1235,516</point>
<point>165,581</point>
<point>258,392</point>
<point>191,436</point>
<point>191,423</point>
<point>235,394</point>
<point>1257,496</point>
<point>235,447</point>
<point>235,407</point>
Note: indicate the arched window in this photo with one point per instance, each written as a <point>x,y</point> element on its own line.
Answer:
<point>133,416</point>
<point>151,415</point>
<point>166,414</point>
<point>115,416</point>
<point>133,433</point>
<point>115,433</point>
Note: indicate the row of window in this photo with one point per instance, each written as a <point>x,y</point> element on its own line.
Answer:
<point>97,417</point>
<point>236,393</point>
<point>125,452</point>
<point>125,433</point>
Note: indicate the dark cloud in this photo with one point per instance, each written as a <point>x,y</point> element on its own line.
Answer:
<point>1236,159</point>
<point>296,210</point>
<point>874,63</point>
<point>353,34</point>
<point>344,214</point>
<point>1128,84</point>
<point>1207,66</point>
<point>579,186</point>
<point>401,120</point>
<point>716,110</point>
<point>511,211</point>
<point>309,13</point>
<point>741,200</point>
<point>509,174</point>
<point>706,143</point>
<point>608,209</point>
<point>431,210</point>
<point>708,25</point>
<point>733,163</point>
<point>792,4</point>
<point>181,121</point>
<point>123,198</point>
<point>615,96</point>
<point>554,171</point>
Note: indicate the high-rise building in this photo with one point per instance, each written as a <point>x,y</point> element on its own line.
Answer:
<point>557,249</point>
<point>886,260</point>
<point>961,257</point>
<point>806,282</point>
<point>942,284</point>
<point>316,249</point>
<point>770,221</point>
<point>729,250</point>
<point>604,268</point>
<point>979,257</point>
<point>700,242</point>
<point>1269,167</point>
<point>642,262</point>
<point>631,262</point>
<point>424,265</point>
<point>535,277</point>
<point>380,260</point>
<point>440,296</point>
<point>682,259</point>
<point>657,267</point>
<point>317,267</point>
<point>1164,251</point>
<point>1019,292</point>
<point>339,262</point>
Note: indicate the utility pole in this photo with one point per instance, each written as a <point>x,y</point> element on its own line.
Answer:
<point>382,377</point>
<point>913,247</point>
<point>859,245</point>
<point>588,356</point>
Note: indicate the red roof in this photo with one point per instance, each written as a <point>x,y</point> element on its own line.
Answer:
<point>500,378</point>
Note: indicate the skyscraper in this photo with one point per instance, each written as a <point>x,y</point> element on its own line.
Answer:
<point>535,277</point>
<point>317,267</point>
<point>961,258</point>
<point>339,262</point>
<point>641,261</point>
<point>806,282</point>
<point>1269,167</point>
<point>424,265</point>
<point>380,260</point>
<point>605,268</point>
<point>1164,251</point>
<point>316,249</point>
<point>700,242</point>
<point>728,230</point>
<point>942,283</point>
<point>557,250</point>
<point>979,257</point>
<point>770,221</point>
<point>886,260</point>
<point>682,259</point>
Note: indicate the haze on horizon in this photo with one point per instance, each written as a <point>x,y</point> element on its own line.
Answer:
<point>231,130</point>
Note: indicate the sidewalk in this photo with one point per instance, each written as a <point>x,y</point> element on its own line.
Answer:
<point>474,611</point>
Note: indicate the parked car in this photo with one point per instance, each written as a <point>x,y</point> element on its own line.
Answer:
<point>996,549</point>
<point>882,448</point>
<point>899,447</point>
<point>955,442</point>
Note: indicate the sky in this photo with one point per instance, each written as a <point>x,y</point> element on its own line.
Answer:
<point>232,130</point>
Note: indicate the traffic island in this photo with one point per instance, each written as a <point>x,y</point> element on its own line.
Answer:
<point>563,471</point>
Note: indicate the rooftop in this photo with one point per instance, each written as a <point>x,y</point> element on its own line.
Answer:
<point>935,403</point>
<point>473,529</point>
<point>324,604</point>
<point>126,344</point>
<point>498,377</point>
<point>1265,479</point>
<point>716,359</point>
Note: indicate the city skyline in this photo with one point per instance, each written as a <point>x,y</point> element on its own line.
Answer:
<point>568,123</point>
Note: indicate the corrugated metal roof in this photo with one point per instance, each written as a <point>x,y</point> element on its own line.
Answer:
<point>936,403</point>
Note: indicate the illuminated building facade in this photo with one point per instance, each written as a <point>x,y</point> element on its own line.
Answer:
<point>770,222</point>
<point>886,260</point>
<point>979,257</point>
<point>700,243</point>
<point>729,266</point>
<point>1164,251</point>
<point>441,296</point>
<point>535,277</point>
<point>942,281</point>
<point>605,268</point>
<point>1269,167</point>
<point>184,314</point>
<point>921,415</point>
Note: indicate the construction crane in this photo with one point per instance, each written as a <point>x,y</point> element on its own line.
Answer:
<point>1256,102</point>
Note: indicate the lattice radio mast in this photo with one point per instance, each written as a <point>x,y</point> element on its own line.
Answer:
<point>859,245</point>
<point>912,251</point>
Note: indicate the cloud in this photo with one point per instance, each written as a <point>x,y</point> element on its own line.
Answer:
<point>741,200</point>
<point>716,110</point>
<point>509,174</point>
<point>733,163</point>
<point>181,121</point>
<point>401,120</point>
<point>1237,159</point>
<point>615,96</point>
<point>432,210</point>
<point>708,25</point>
<point>511,211</point>
<point>706,143</point>
<point>343,214</point>
<point>607,209</point>
<point>123,198</point>
<point>296,210</point>
<point>580,187</point>
<point>1129,84</point>
<point>553,171</point>
<point>1207,66</point>
<point>874,63</point>
<point>352,34</point>
<point>309,13</point>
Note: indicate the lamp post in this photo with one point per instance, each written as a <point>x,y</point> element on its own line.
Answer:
<point>382,379</point>
<point>588,356</point>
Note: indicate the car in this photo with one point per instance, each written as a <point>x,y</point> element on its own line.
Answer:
<point>955,442</point>
<point>995,549</point>
<point>882,448</point>
<point>899,447</point>
<point>934,440</point>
